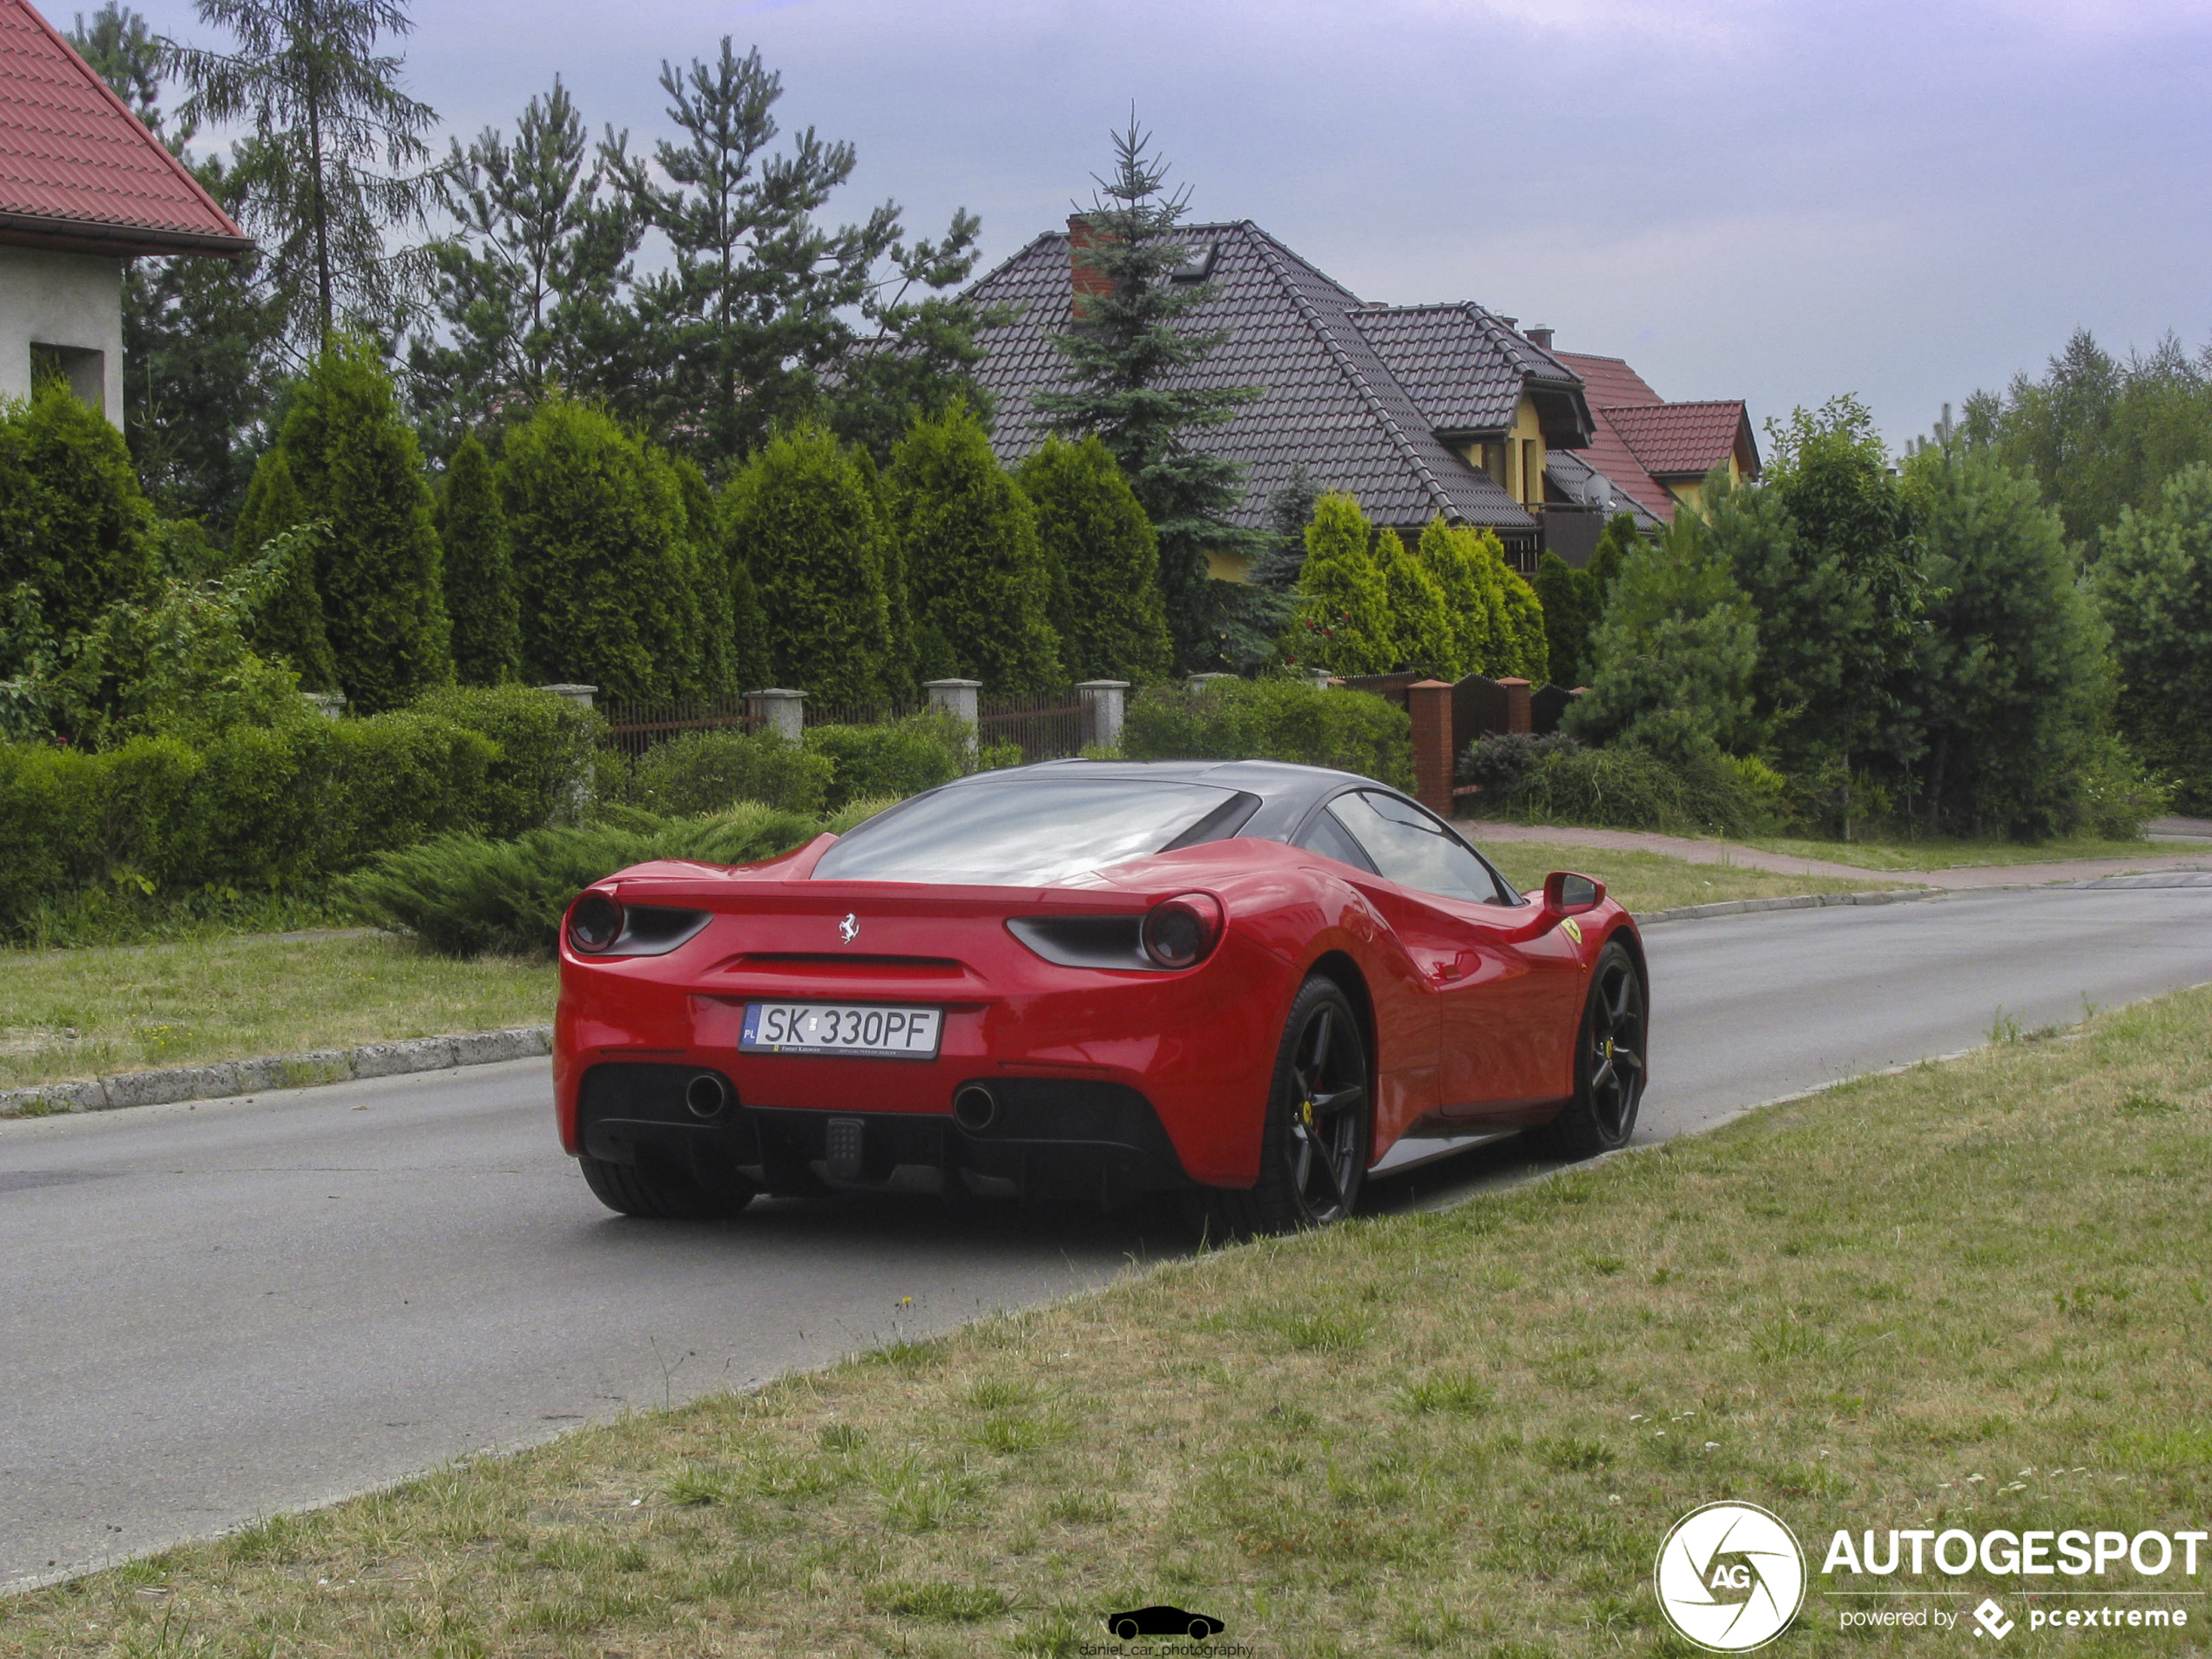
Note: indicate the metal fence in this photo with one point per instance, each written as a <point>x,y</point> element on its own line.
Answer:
<point>1048,725</point>
<point>635,727</point>
<point>820,713</point>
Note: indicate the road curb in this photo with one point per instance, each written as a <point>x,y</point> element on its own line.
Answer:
<point>1802,902</point>
<point>228,1078</point>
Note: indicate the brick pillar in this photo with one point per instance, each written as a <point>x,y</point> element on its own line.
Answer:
<point>1517,714</point>
<point>1430,703</point>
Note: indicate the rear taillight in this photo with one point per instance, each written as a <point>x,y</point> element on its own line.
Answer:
<point>1182,931</point>
<point>595,924</point>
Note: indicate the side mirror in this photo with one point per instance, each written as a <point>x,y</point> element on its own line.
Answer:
<point>1567,894</point>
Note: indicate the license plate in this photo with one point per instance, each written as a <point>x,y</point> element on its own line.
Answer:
<point>870,1029</point>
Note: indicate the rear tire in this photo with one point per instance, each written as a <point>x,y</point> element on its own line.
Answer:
<point>1314,1146</point>
<point>656,1192</point>
<point>1610,1064</point>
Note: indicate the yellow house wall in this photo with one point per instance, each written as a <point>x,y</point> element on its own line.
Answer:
<point>1692,494</point>
<point>1525,481</point>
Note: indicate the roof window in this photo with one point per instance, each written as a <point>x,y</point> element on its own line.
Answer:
<point>1198,266</point>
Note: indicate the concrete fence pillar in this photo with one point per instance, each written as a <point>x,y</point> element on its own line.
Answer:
<point>958,700</point>
<point>329,705</point>
<point>1320,676</point>
<point>780,710</point>
<point>1102,705</point>
<point>1430,703</point>
<point>584,694</point>
<point>1199,682</point>
<point>1518,718</point>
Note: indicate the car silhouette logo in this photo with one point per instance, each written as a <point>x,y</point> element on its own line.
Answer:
<point>849,929</point>
<point>1163,1622</point>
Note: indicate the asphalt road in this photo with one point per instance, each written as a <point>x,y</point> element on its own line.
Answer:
<point>217,1311</point>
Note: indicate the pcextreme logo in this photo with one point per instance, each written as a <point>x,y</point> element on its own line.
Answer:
<point>1731,1577</point>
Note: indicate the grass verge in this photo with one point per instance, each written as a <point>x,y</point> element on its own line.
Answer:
<point>90,1012</point>
<point>1650,881</point>
<point>1970,1296</point>
<point>1949,853</point>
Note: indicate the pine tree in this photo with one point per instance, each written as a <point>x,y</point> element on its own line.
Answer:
<point>479,571</point>
<point>1104,560</point>
<point>289,623</point>
<point>1127,361</point>
<point>1420,623</point>
<point>600,545</point>
<point>1615,542</point>
<point>1570,601</point>
<point>359,468</point>
<point>977,578</point>
<point>1343,622</point>
<point>803,514</point>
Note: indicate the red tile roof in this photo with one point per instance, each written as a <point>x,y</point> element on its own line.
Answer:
<point>1685,440</point>
<point>78,171</point>
<point>1612,383</point>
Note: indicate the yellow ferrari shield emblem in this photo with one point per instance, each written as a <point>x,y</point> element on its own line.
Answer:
<point>1572,929</point>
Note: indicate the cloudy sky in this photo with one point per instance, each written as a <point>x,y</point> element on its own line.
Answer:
<point>1776,200</point>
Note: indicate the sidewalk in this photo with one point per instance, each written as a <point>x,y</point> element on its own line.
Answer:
<point>1749,858</point>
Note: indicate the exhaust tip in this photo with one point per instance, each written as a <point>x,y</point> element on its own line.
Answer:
<point>974,1108</point>
<point>706,1094</point>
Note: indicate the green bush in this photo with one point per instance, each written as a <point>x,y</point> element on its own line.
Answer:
<point>707,772</point>
<point>546,747</point>
<point>899,760</point>
<point>1272,720</point>
<point>1557,780</point>
<point>465,895</point>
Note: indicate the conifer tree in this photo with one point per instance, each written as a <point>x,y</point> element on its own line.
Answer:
<point>1105,561</point>
<point>1528,644</point>
<point>73,525</point>
<point>1420,623</point>
<point>1570,600</point>
<point>712,589</point>
<point>974,572</point>
<point>804,517</point>
<point>479,571</point>
<point>289,624</point>
<point>1127,363</point>
<point>1343,622</point>
<point>359,468</point>
<point>1474,600</point>
<point>601,554</point>
<point>1615,543</point>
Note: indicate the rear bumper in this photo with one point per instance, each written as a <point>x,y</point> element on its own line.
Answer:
<point>1048,1137</point>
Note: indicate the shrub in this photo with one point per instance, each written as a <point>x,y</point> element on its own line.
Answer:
<point>1343,622</point>
<point>1557,780</point>
<point>707,772</point>
<point>899,760</point>
<point>2156,583</point>
<point>1105,560</point>
<point>546,746</point>
<point>290,625</point>
<point>479,571</point>
<point>1272,720</point>
<point>359,468</point>
<point>73,522</point>
<point>465,895</point>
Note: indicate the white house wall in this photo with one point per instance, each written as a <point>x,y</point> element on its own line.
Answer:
<point>67,300</point>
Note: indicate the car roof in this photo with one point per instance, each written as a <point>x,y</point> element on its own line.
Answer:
<point>1287,792</point>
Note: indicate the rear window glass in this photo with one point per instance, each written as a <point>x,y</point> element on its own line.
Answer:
<point>1021,834</point>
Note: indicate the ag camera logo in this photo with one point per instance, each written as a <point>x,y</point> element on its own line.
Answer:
<point>1731,1577</point>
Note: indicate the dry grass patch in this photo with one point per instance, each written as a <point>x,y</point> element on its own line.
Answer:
<point>1647,881</point>
<point>1973,1295</point>
<point>90,1013</point>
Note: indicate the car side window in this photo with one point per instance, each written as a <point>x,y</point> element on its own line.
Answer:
<point>1327,837</point>
<point>1415,850</point>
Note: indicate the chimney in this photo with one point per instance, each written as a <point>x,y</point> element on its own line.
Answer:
<point>1086,282</point>
<point>1541,338</point>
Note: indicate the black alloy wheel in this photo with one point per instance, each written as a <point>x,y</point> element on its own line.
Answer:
<point>1313,1150</point>
<point>1609,1070</point>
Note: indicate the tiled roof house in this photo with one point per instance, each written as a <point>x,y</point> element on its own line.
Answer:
<point>1418,410</point>
<point>83,187</point>
<point>1656,452</point>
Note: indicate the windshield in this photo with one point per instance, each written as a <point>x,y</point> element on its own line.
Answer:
<point>1021,834</point>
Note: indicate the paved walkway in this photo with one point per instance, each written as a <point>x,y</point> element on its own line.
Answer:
<point>2179,829</point>
<point>1752,858</point>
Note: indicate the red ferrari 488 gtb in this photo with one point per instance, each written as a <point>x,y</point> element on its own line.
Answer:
<point>1086,978</point>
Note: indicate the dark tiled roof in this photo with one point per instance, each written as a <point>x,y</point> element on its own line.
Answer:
<point>1332,406</point>
<point>76,168</point>
<point>1462,365</point>
<point>1686,440</point>
<point>1573,473</point>
<point>1612,383</point>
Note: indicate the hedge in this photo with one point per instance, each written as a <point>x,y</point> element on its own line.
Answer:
<point>1272,720</point>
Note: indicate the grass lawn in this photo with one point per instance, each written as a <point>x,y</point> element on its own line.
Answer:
<point>1648,881</point>
<point>1945,853</point>
<point>1968,1296</point>
<point>90,1013</point>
